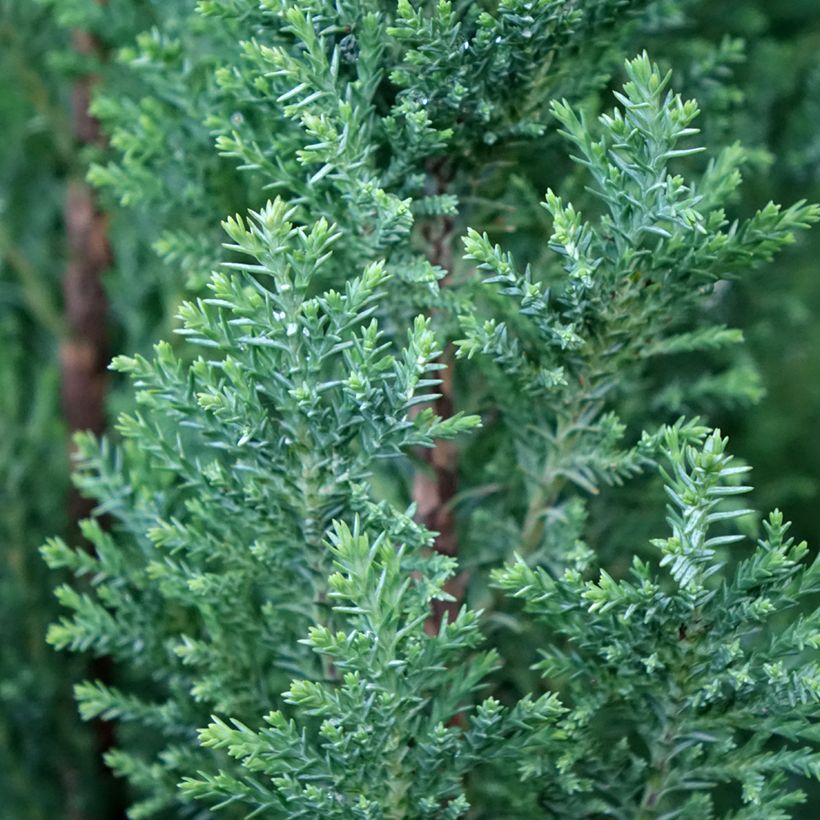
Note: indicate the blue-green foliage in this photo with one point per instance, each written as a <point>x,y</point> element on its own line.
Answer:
<point>340,106</point>
<point>384,735</point>
<point>282,456</point>
<point>631,286</point>
<point>778,120</point>
<point>231,472</point>
<point>688,674</point>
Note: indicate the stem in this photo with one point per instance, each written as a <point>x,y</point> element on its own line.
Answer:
<point>435,488</point>
<point>657,783</point>
<point>581,410</point>
<point>84,350</point>
<point>572,421</point>
<point>546,494</point>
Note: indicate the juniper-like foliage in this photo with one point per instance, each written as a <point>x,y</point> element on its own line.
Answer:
<point>366,113</point>
<point>577,339</point>
<point>771,106</point>
<point>688,682</point>
<point>218,548</point>
<point>385,736</point>
<point>260,575</point>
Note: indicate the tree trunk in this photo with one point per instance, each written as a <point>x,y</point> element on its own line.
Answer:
<point>435,486</point>
<point>84,352</point>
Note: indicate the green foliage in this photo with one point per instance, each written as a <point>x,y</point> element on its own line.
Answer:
<point>340,106</point>
<point>778,118</point>
<point>386,734</point>
<point>47,767</point>
<point>259,576</point>
<point>232,471</point>
<point>681,681</point>
<point>485,75</point>
<point>40,740</point>
<point>630,288</point>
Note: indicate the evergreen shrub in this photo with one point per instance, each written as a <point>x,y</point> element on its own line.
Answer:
<point>357,551</point>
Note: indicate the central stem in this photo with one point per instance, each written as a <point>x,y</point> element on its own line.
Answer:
<point>434,488</point>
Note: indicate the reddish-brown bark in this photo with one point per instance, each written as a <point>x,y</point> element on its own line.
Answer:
<point>84,351</point>
<point>436,484</point>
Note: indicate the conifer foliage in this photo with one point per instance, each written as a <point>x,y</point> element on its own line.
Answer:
<point>310,397</point>
<point>630,288</point>
<point>263,581</point>
<point>678,660</point>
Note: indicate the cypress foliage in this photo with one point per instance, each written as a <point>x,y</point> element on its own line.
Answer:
<point>678,687</point>
<point>266,564</point>
<point>774,111</point>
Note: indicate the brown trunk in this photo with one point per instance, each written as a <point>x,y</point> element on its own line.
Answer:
<point>84,350</point>
<point>434,490</point>
<point>435,486</point>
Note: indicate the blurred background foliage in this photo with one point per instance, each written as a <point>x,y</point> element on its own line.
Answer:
<point>47,758</point>
<point>754,65</point>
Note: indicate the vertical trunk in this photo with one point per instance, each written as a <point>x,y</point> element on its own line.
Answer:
<point>84,350</point>
<point>435,486</point>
